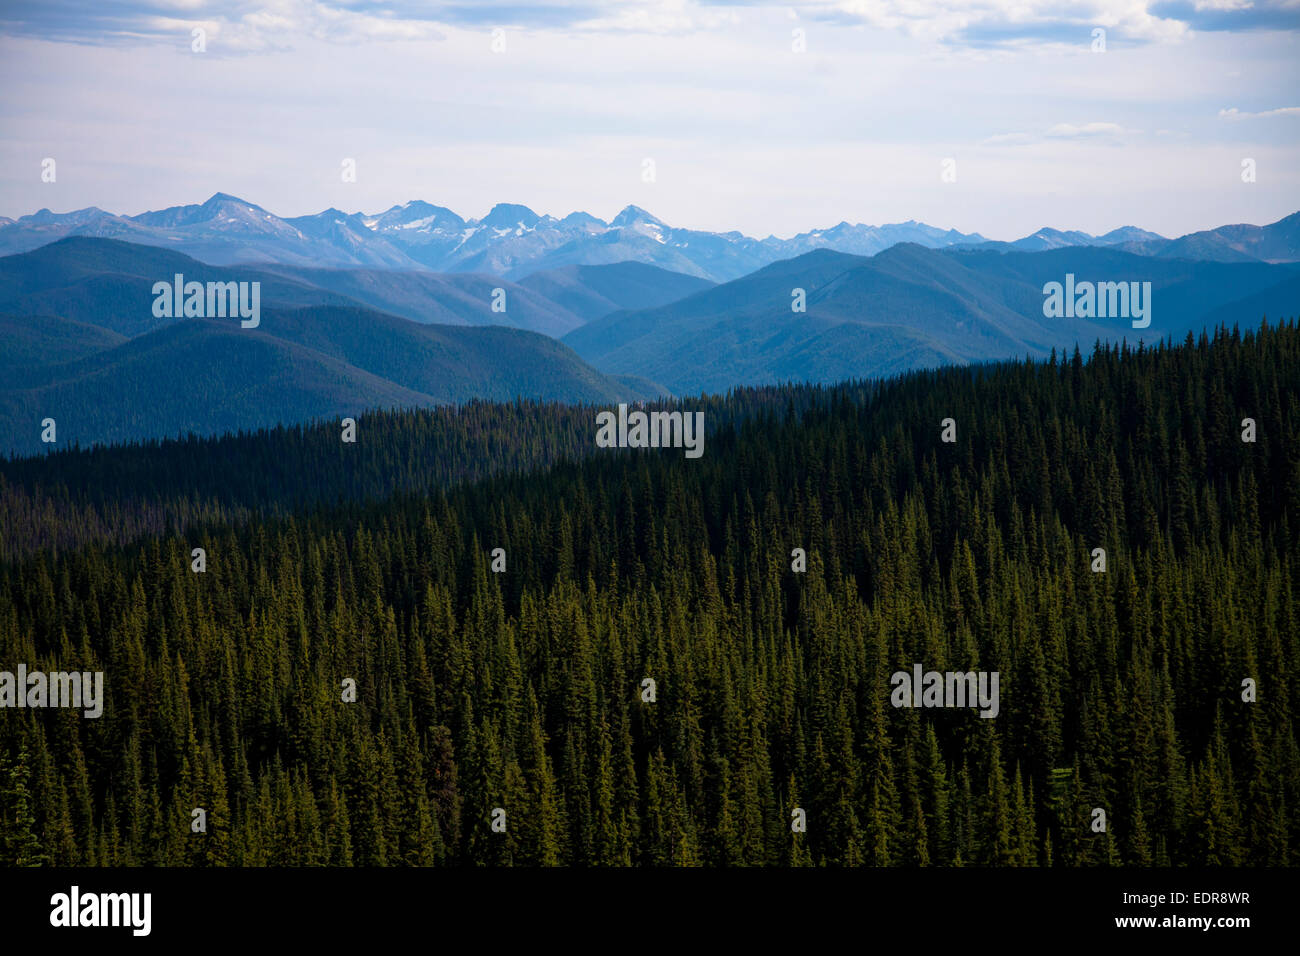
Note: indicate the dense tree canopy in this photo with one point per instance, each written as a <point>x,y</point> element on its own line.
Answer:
<point>522,690</point>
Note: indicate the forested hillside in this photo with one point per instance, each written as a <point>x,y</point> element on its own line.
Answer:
<point>826,317</point>
<point>523,689</point>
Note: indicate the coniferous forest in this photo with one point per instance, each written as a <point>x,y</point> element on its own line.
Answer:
<point>522,690</point>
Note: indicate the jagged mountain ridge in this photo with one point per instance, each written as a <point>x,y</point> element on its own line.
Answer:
<point>513,241</point>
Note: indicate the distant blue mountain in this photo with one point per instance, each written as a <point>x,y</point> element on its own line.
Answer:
<point>105,281</point>
<point>81,345</point>
<point>912,307</point>
<point>1048,238</point>
<point>513,241</point>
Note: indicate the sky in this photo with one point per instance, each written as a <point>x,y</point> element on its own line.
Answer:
<point>767,119</point>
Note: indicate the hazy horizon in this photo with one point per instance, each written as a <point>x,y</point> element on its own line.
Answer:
<point>744,132</point>
<point>557,215</point>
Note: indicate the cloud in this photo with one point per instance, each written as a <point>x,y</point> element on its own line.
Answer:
<point>241,26</point>
<point>1087,130</point>
<point>1009,22</point>
<point>1230,15</point>
<point>1236,114</point>
<point>1010,139</point>
<point>250,25</point>
<point>1092,131</point>
<point>855,128</point>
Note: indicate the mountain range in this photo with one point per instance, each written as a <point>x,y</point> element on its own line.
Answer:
<point>512,241</point>
<point>82,343</point>
<point>82,346</point>
<point>910,307</point>
<point>104,282</point>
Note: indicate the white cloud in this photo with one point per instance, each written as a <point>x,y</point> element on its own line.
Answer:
<point>1012,21</point>
<point>1220,5</point>
<point>253,25</point>
<point>1070,131</point>
<point>1010,139</point>
<point>1058,131</point>
<point>1236,114</point>
<point>745,133</point>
